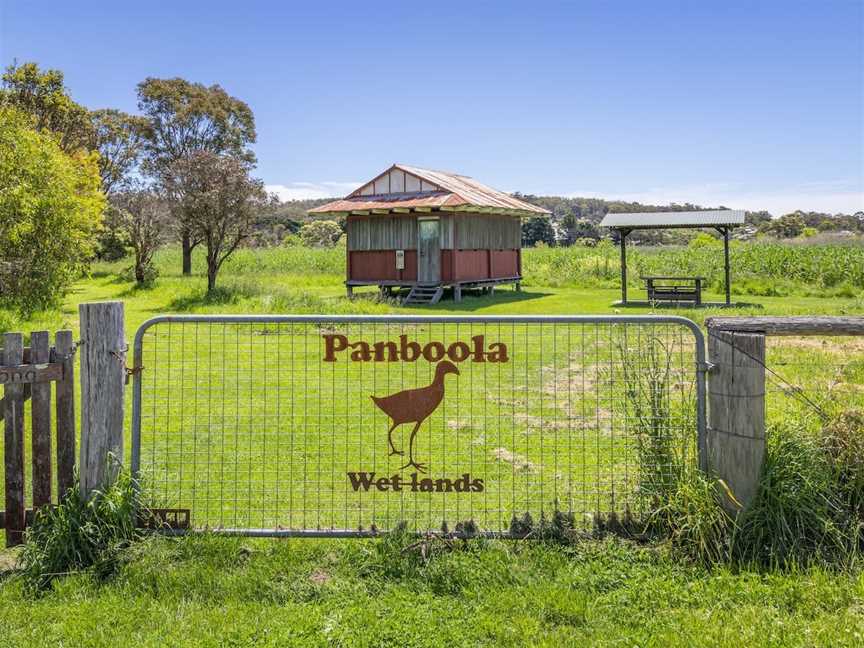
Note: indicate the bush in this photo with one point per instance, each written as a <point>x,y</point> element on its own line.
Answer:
<point>80,534</point>
<point>51,206</point>
<point>320,234</point>
<point>794,516</point>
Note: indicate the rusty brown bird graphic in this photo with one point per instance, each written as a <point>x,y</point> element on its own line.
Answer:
<point>414,406</point>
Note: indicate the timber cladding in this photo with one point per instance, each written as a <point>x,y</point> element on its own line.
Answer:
<point>472,231</point>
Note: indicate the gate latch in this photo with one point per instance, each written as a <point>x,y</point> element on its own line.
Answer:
<point>131,371</point>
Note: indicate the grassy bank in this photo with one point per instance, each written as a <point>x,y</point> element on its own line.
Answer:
<point>237,592</point>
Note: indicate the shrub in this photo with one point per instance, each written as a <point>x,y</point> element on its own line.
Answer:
<point>81,534</point>
<point>793,518</point>
<point>320,234</point>
<point>51,206</point>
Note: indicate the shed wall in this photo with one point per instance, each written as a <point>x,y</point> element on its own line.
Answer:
<point>488,232</point>
<point>471,232</point>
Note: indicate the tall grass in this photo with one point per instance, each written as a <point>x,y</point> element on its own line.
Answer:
<point>660,447</point>
<point>758,267</point>
<point>807,510</point>
<point>81,534</point>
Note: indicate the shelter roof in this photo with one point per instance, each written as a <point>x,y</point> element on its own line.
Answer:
<point>663,220</point>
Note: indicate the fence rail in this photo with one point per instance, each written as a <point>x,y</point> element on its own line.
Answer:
<point>266,425</point>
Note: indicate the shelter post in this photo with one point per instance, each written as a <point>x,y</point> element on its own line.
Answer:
<point>726,264</point>
<point>624,233</point>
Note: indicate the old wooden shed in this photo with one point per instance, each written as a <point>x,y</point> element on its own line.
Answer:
<point>426,230</point>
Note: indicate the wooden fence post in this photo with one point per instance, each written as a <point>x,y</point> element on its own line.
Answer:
<point>64,407</point>
<point>736,401</point>
<point>13,442</point>
<point>102,351</point>
<point>40,404</point>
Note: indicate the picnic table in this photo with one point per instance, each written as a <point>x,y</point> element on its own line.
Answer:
<point>674,289</point>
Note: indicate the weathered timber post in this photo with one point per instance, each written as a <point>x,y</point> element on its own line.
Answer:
<point>736,422</point>
<point>102,380</point>
<point>13,403</point>
<point>64,409</point>
<point>40,352</point>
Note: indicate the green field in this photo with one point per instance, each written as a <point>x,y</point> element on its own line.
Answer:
<point>243,592</point>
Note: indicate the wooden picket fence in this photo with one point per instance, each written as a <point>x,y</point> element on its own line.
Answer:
<point>26,373</point>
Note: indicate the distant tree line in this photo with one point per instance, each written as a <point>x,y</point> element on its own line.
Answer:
<point>576,220</point>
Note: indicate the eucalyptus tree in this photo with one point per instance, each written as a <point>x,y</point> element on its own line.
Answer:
<point>184,118</point>
<point>44,98</point>
<point>218,201</point>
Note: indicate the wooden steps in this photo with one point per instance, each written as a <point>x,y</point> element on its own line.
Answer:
<point>423,294</point>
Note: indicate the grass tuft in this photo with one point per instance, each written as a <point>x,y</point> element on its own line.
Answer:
<point>81,534</point>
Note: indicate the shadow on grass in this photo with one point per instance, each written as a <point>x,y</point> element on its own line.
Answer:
<point>473,302</point>
<point>200,298</point>
<point>686,305</point>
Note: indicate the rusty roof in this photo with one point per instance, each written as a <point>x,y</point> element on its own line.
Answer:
<point>448,191</point>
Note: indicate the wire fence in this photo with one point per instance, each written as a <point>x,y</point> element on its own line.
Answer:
<point>268,425</point>
<point>813,380</point>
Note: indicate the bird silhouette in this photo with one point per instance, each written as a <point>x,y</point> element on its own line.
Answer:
<point>414,406</point>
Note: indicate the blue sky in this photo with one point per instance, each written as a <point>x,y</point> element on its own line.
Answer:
<point>747,104</point>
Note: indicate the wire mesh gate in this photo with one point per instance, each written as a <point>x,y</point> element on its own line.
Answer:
<point>320,425</point>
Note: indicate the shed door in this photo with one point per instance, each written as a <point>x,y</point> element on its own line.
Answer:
<point>428,250</point>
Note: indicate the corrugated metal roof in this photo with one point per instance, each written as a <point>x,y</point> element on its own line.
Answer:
<point>658,220</point>
<point>456,191</point>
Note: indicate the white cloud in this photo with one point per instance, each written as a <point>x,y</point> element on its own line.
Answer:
<point>829,197</point>
<point>308,190</point>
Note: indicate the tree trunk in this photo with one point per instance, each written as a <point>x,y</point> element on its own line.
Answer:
<point>212,269</point>
<point>187,253</point>
<point>139,272</point>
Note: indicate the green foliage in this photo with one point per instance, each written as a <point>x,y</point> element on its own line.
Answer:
<point>217,200</point>
<point>794,517</point>
<point>80,534</point>
<point>43,97</point>
<point>843,443</point>
<point>660,449</point>
<point>118,138</point>
<point>537,229</point>
<point>112,244</point>
<point>787,226</point>
<point>320,233</point>
<point>184,117</point>
<point>51,206</point>
<point>692,519</point>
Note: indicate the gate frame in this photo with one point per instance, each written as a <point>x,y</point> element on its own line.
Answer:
<point>702,367</point>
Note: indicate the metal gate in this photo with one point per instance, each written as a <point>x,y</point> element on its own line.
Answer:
<point>320,425</point>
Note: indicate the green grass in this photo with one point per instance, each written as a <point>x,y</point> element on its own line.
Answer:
<point>216,592</point>
<point>213,591</point>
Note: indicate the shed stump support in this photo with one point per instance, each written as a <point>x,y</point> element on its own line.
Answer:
<point>736,421</point>
<point>103,372</point>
